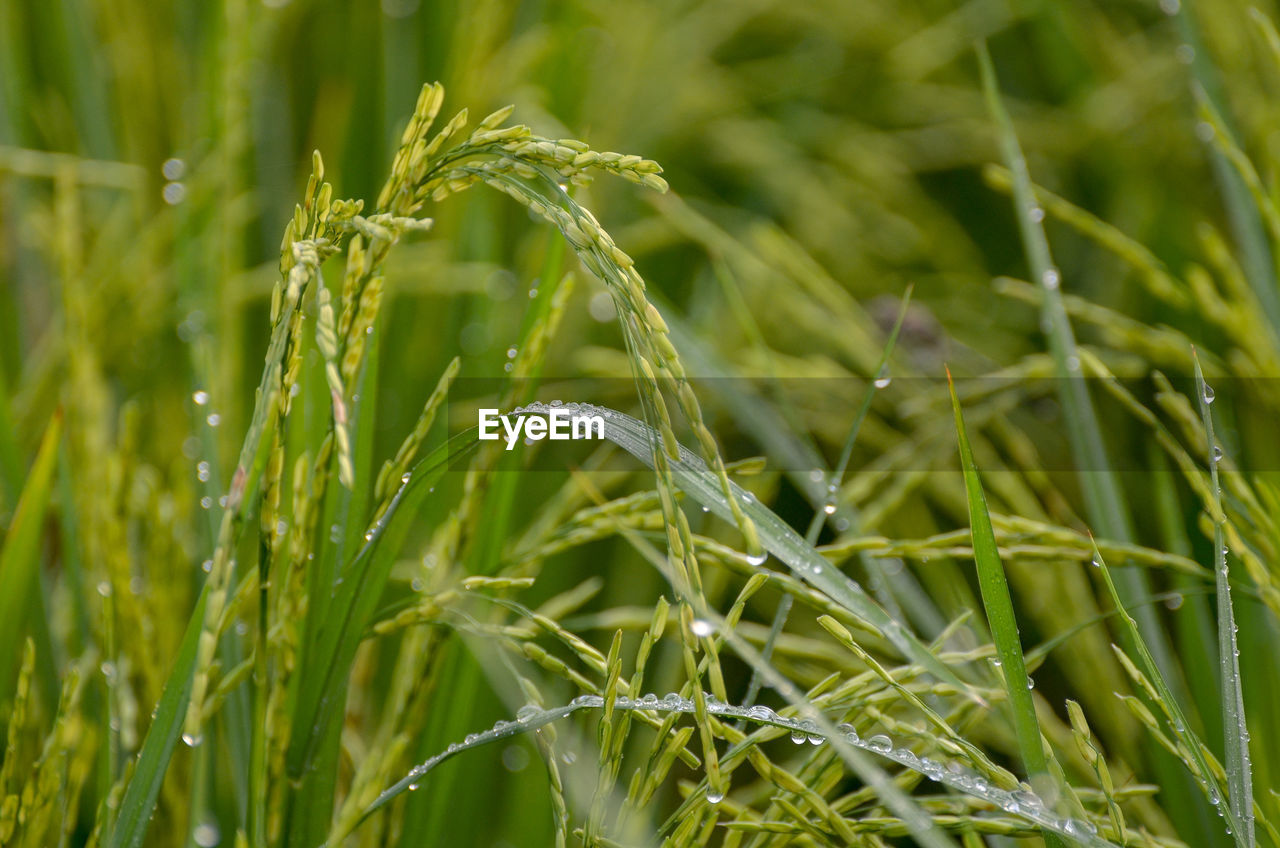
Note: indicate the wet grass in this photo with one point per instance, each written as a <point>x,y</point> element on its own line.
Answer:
<point>260,583</point>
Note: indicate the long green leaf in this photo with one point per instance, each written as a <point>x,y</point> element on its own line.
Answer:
<point>998,603</point>
<point>20,556</point>
<point>1104,500</point>
<point>321,695</point>
<point>140,795</point>
<point>1235,731</point>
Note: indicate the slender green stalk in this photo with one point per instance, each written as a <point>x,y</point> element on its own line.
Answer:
<point>998,604</point>
<point>1235,729</point>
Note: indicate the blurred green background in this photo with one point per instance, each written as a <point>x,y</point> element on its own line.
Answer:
<point>822,157</point>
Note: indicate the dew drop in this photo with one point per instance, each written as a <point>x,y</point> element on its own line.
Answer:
<point>883,382</point>
<point>799,737</point>
<point>206,502</point>
<point>829,508</point>
<point>881,743</point>
<point>206,835</point>
<point>191,740</point>
<point>173,168</point>
<point>207,566</point>
<point>1051,279</point>
<point>202,471</point>
<point>174,193</point>
<point>1217,453</point>
<point>1079,827</point>
<point>701,628</point>
<point>200,397</point>
<point>413,787</point>
<point>213,419</point>
<point>1036,214</point>
<point>1208,393</point>
<point>568,758</point>
<point>527,712</point>
<point>758,559</point>
<point>1027,800</point>
<point>511,352</point>
<point>104,589</point>
<point>714,797</point>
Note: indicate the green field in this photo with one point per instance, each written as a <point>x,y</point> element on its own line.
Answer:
<point>936,353</point>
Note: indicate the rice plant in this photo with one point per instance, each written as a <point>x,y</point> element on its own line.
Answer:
<point>933,498</point>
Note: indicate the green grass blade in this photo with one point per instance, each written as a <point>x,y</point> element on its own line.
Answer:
<point>1180,726</point>
<point>354,601</point>
<point>1235,729</point>
<point>1103,497</point>
<point>143,789</point>
<point>998,604</point>
<point>20,556</point>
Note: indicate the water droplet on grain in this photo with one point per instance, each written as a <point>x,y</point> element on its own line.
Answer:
<point>1036,214</point>
<point>758,559</point>
<point>880,743</point>
<point>1051,279</point>
<point>213,419</point>
<point>883,382</point>
<point>714,797</point>
<point>527,712</point>
<point>191,740</point>
<point>1027,800</point>
<point>200,397</point>
<point>1208,393</point>
<point>1217,453</point>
